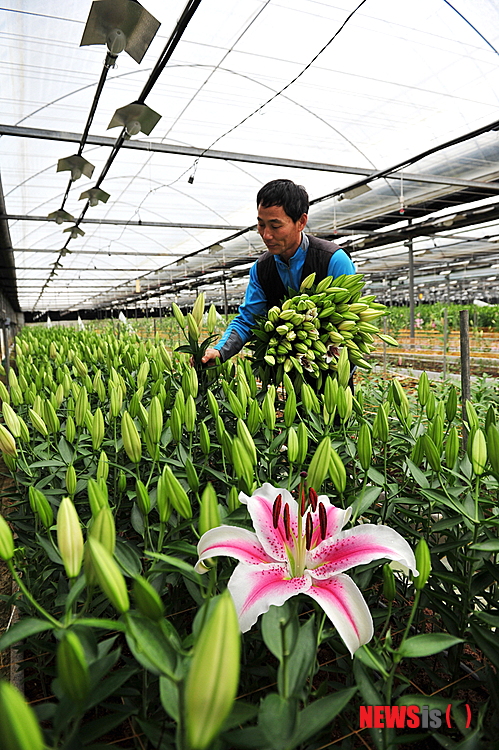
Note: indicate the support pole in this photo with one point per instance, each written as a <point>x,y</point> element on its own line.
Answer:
<point>464,321</point>
<point>411,287</point>
<point>226,306</point>
<point>446,333</point>
<point>5,333</point>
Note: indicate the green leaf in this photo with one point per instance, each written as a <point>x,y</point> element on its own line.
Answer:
<point>240,714</point>
<point>492,545</point>
<point>277,720</point>
<point>49,548</point>
<point>23,629</point>
<point>427,644</point>
<point>301,659</point>
<point>168,692</point>
<point>370,658</point>
<point>150,646</point>
<point>128,559</point>
<point>316,715</point>
<point>418,475</point>
<point>109,686</point>
<point>365,500</point>
<point>65,450</point>
<point>280,624</point>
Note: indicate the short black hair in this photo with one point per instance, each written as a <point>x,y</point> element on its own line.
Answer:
<point>293,198</point>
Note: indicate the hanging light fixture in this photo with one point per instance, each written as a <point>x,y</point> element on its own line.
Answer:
<point>136,118</point>
<point>94,195</point>
<point>74,232</point>
<point>60,216</point>
<point>77,165</point>
<point>120,25</point>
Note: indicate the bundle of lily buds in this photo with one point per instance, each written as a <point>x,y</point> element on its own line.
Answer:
<point>308,330</point>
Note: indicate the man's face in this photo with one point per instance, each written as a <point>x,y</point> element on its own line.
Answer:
<point>281,234</point>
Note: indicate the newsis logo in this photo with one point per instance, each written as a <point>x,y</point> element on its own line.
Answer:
<point>407,717</point>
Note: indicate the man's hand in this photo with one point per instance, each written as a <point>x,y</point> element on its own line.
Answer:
<point>210,357</point>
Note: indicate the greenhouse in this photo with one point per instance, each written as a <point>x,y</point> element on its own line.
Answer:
<point>249,340</point>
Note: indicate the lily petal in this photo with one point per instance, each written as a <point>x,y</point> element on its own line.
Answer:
<point>343,603</point>
<point>359,546</point>
<point>255,588</point>
<point>233,542</point>
<point>260,506</point>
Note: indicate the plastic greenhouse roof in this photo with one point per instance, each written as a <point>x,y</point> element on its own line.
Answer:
<point>326,94</point>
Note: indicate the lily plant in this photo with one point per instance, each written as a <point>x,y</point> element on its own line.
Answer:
<point>301,548</point>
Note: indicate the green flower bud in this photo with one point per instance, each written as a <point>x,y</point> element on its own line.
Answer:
<point>121,481</point>
<point>345,403</point>
<point>192,327</point>
<point>233,502</point>
<point>177,313</point>
<point>71,480</point>
<point>7,442</point>
<point>337,472</point>
<point>245,436</point>
<point>109,576</point>
<point>204,438</point>
<point>19,728</point>
<point>115,400</point>
<point>380,425</point>
<point>190,414</point>
<point>97,429</point>
<point>198,308</point>
<point>37,423</point>
<point>292,445</point>
<point>143,500</point>
<point>103,467</point>
<point>451,404</point>
<point>452,448</point>
<point>192,476</point>
<point>319,465</point>
<point>162,500</point>
<point>364,446</point>
<point>478,453</point>
<point>4,394</point>
<point>493,447</point>
<point>430,405</point>
<point>11,419</point>
<point>155,421</point>
<point>423,564</point>
<point>215,667</point>
<point>209,515</point>
<point>6,540</point>
<point>97,497</point>
<point>389,587</point>
<point>41,507</point>
<point>212,318</point>
<point>147,599</point>
<point>143,373</point>
<point>131,438</point>
<point>212,404</point>
<point>103,528</point>
<point>176,494</point>
<point>432,453</point>
<point>72,668</point>
<point>69,537</point>
<point>81,406</point>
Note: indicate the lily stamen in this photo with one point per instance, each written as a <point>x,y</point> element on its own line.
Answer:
<point>287,524</point>
<point>323,520</point>
<point>276,511</point>
<point>309,530</point>
<point>313,497</point>
<point>303,505</point>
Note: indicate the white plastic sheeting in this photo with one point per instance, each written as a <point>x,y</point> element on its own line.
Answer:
<point>397,79</point>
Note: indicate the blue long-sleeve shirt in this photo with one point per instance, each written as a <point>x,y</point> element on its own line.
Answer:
<point>255,303</point>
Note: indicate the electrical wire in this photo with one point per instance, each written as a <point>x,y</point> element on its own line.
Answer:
<point>471,25</point>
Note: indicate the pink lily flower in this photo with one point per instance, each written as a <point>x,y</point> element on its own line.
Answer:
<point>302,550</point>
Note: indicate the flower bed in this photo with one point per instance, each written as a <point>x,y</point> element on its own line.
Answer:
<point>124,457</point>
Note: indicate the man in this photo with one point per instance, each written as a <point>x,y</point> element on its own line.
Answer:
<point>291,256</point>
